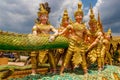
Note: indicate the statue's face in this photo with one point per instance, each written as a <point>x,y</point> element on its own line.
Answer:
<point>66,22</point>
<point>43,18</point>
<point>78,18</point>
<point>93,26</point>
<point>108,36</point>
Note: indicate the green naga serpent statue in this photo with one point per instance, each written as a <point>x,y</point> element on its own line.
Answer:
<point>28,42</point>
<point>10,41</point>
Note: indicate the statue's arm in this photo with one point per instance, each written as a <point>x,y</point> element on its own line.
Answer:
<point>34,30</point>
<point>95,42</point>
<point>65,29</point>
<point>54,30</point>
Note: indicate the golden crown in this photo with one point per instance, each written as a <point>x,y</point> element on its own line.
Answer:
<point>109,32</point>
<point>92,17</point>
<point>65,15</point>
<point>42,10</point>
<point>79,11</point>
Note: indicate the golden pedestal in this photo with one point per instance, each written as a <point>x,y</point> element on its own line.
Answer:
<point>3,61</point>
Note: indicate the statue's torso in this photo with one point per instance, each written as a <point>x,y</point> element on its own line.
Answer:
<point>43,29</point>
<point>66,33</point>
<point>92,35</point>
<point>106,43</point>
<point>79,30</point>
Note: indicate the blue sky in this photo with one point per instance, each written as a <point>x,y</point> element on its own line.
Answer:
<point>87,3</point>
<point>18,15</point>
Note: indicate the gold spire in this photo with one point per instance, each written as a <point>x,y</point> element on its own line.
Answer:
<point>79,11</point>
<point>42,10</point>
<point>91,12</point>
<point>99,21</point>
<point>109,32</point>
<point>92,17</point>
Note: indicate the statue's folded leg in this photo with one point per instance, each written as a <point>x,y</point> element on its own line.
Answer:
<point>67,57</point>
<point>34,61</point>
<point>51,60</point>
<point>99,61</point>
<point>84,62</point>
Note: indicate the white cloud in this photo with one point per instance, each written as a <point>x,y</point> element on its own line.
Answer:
<point>109,11</point>
<point>19,15</point>
<point>95,10</point>
<point>55,17</point>
<point>14,15</point>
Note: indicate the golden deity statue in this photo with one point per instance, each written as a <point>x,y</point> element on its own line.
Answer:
<point>64,23</point>
<point>42,26</point>
<point>76,42</point>
<point>92,35</point>
<point>105,52</point>
<point>106,45</point>
<point>96,42</point>
<point>93,27</point>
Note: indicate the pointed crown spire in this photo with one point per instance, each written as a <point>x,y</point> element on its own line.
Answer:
<point>99,17</point>
<point>99,22</point>
<point>42,10</point>
<point>92,17</point>
<point>109,32</point>
<point>65,15</point>
<point>91,12</point>
<point>79,11</point>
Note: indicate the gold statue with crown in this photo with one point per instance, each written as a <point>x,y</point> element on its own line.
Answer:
<point>106,57</point>
<point>99,44</point>
<point>92,35</point>
<point>64,23</point>
<point>106,50</point>
<point>93,54</point>
<point>76,42</point>
<point>43,27</point>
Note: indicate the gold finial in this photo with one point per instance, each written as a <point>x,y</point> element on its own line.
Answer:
<point>91,12</point>
<point>91,8</point>
<point>79,5</point>
<point>79,11</point>
<point>42,10</point>
<point>109,32</point>
<point>92,17</point>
